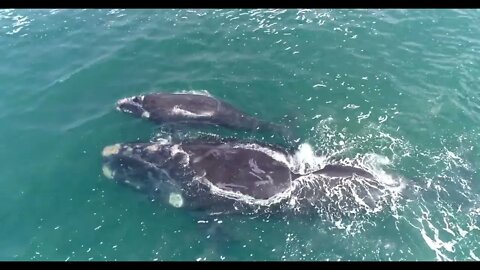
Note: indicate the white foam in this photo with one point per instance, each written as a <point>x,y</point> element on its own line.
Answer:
<point>385,189</point>
<point>243,197</point>
<point>373,163</point>
<point>162,141</point>
<point>176,149</point>
<point>276,155</point>
<point>473,256</point>
<point>195,92</point>
<point>436,244</point>
<point>305,161</point>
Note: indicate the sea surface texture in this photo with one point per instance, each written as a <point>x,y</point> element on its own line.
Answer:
<point>396,91</point>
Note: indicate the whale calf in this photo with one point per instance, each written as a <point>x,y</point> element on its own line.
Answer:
<point>164,108</point>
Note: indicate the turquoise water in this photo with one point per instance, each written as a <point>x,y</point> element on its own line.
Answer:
<point>395,88</point>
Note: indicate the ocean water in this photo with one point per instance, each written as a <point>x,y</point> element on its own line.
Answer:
<point>395,89</point>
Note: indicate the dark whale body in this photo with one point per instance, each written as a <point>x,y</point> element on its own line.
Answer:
<point>220,176</point>
<point>166,108</point>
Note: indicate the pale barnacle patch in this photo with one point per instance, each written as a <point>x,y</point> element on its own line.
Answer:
<point>175,199</point>
<point>152,148</point>
<point>111,150</point>
<point>145,114</point>
<point>107,172</point>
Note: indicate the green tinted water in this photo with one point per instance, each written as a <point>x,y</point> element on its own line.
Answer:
<point>400,84</point>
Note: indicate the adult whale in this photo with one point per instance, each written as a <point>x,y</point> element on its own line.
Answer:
<point>219,176</point>
<point>165,108</point>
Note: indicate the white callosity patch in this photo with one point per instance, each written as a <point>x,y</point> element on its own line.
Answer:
<point>175,199</point>
<point>130,100</point>
<point>107,172</point>
<point>111,150</point>
<point>123,101</point>
<point>183,112</point>
<point>145,114</point>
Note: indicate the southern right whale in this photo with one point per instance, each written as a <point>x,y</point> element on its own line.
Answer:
<point>163,108</point>
<point>218,177</point>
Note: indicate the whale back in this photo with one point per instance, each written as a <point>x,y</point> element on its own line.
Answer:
<point>234,168</point>
<point>195,109</point>
<point>179,107</point>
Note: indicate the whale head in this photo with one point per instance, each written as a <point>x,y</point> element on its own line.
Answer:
<point>145,167</point>
<point>133,105</point>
